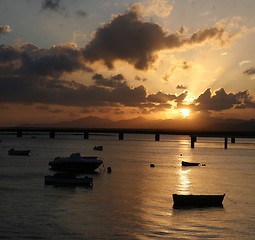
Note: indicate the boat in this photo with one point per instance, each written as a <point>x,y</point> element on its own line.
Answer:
<point>197,200</point>
<point>99,148</point>
<point>75,162</point>
<point>189,163</point>
<point>12,151</point>
<point>68,179</point>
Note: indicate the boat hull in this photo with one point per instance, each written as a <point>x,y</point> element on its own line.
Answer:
<point>98,148</point>
<point>189,163</point>
<point>75,166</point>
<point>19,152</point>
<point>62,180</point>
<point>75,163</point>
<point>197,200</point>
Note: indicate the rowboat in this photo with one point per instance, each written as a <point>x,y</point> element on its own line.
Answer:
<point>68,179</point>
<point>197,200</point>
<point>99,148</point>
<point>12,151</point>
<point>189,163</point>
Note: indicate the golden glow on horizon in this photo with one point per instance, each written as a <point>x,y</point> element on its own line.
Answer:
<point>185,112</point>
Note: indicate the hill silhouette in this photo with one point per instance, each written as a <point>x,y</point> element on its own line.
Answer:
<point>207,124</point>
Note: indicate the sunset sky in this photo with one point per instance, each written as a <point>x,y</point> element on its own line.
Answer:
<point>62,60</point>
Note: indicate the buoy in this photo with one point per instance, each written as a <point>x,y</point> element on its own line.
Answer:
<point>109,169</point>
<point>152,165</point>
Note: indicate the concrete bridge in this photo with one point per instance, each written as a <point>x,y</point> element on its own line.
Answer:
<point>121,131</point>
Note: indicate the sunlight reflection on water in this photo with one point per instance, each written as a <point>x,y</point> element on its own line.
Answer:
<point>184,181</point>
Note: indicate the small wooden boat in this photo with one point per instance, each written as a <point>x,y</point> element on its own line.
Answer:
<point>99,148</point>
<point>197,200</point>
<point>68,179</point>
<point>12,151</point>
<point>189,163</point>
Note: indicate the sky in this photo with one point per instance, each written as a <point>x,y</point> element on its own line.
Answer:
<point>158,59</point>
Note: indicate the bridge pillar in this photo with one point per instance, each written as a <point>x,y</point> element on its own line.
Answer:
<point>233,140</point>
<point>157,136</point>
<point>226,143</point>
<point>121,136</point>
<point>193,139</point>
<point>52,134</point>
<point>86,135</point>
<point>19,134</point>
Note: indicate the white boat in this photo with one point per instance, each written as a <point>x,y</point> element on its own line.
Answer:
<point>12,151</point>
<point>76,163</point>
<point>68,179</point>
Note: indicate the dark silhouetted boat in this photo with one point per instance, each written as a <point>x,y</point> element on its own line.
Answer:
<point>68,179</point>
<point>189,163</point>
<point>12,151</point>
<point>76,163</point>
<point>99,148</point>
<point>197,200</point>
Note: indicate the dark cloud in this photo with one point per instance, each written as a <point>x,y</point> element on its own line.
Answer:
<point>67,93</point>
<point>250,71</point>
<point>114,81</point>
<point>53,5</point>
<point>180,98</point>
<point>5,29</point>
<point>137,78</point>
<point>130,39</point>
<point>129,96</point>
<point>81,13</point>
<point>223,101</point>
<point>160,97</point>
<point>181,87</point>
<point>29,60</point>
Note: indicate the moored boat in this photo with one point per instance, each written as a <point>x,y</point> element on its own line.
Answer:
<point>197,200</point>
<point>12,151</point>
<point>189,163</point>
<point>68,179</point>
<point>99,148</point>
<point>76,163</point>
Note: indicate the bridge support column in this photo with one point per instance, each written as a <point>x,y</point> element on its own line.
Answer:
<point>121,136</point>
<point>192,141</point>
<point>86,135</point>
<point>52,134</point>
<point>157,136</point>
<point>233,140</point>
<point>19,134</point>
<point>226,143</point>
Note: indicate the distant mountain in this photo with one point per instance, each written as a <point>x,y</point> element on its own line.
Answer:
<point>88,122</point>
<point>212,124</point>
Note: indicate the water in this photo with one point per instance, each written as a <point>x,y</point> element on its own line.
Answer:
<point>135,200</point>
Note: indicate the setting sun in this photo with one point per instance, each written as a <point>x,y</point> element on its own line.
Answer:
<point>184,112</point>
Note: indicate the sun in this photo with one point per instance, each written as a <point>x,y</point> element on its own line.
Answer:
<point>185,112</point>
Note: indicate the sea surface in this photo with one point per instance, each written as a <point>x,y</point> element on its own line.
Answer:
<point>135,200</point>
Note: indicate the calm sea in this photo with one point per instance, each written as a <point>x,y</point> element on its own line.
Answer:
<point>135,200</point>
